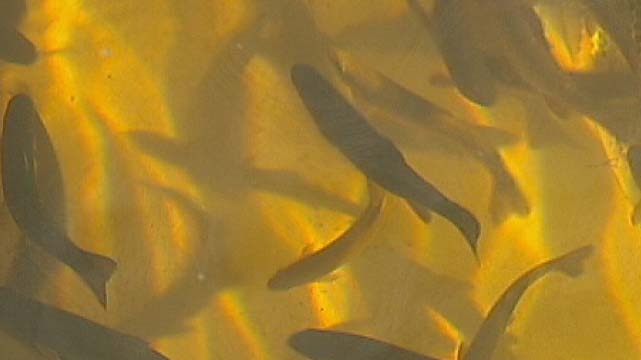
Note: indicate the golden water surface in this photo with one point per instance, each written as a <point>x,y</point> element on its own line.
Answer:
<point>188,157</point>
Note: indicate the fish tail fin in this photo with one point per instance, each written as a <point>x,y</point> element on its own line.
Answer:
<point>464,221</point>
<point>96,274</point>
<point>572,263</point>
<point>635,217</point>
<point>506,199</point>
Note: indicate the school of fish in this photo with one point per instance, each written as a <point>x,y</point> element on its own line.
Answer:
<point>338,93</point>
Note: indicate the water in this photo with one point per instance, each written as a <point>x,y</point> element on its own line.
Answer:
<point>188,157</point>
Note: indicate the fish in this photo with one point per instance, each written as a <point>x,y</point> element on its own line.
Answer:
<point>476,140</point>
<point>372,153</point>
<point>69,335</point>
<point>319,344</point>
<point>527,50</point>
<point>16,48</point>
<point>498,318</point>
<point>450,27</point>
<point>322,262</point>
<point>21,195</point>
<point>633,157</point>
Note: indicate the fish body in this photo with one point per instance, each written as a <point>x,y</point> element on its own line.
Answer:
<point>373,154</point>
<point>498,318</point>
<point>475,140</point>
<point>526,48</point>
<point>451,25</point>
<point>71,336</point>
<point>318,344</point>
<point>320,263</point>
<point>21,194</point>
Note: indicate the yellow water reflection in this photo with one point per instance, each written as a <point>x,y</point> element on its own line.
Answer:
<point>188,157</point>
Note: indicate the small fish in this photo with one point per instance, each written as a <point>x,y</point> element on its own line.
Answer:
<point>16,48</point>
<point>19,173</point>
<point>450,25</point>
<point>318,344</point>
<point>634,162</point>
<point>71,336</point>
<point>324,261</point>
<point>373,154</point>
<point>475,140</point>
<point>498,318</point>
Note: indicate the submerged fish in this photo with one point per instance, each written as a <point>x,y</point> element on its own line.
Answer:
<point>15,47</point>
<point>373,154</point>
<point>322,262</point>
<point>634,162</point>
<point>21,194</point>
<point>71,336</point>
<point>450,25</point>
<point>498,318</point>
<point>525,48</point>
<point>319,344</point>
<point>475,140</point>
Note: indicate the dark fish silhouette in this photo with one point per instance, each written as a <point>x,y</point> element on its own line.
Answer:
<point>373,154</point>
<point>450,25</point>
<point>19,173</point>
<point>320,263</point>
<point>15,47</point>
<point>71,336</point>
<point>498,318</point>
<point>476,141</point>
<point>319,344</point>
